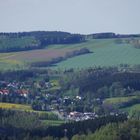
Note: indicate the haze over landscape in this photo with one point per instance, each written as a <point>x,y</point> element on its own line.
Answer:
<point>81,16</point>
<point>69,70</point>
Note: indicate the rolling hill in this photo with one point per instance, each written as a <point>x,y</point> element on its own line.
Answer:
<point>105,52</point>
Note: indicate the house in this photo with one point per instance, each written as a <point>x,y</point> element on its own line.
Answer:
<point>23,92</point>
<point>13,85</point>
<point>78,116</point>
<point>78,97</point>
<point>4,92</point>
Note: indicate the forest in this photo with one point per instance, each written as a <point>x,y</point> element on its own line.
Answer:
<point>23,41</point>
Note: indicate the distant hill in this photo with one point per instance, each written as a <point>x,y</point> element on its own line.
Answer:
<point>23,41</point>
<point>111,35</point>
<point>12,42</point>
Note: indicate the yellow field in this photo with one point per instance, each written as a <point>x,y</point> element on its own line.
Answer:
<point>20,107</point>
<point>15,106</point>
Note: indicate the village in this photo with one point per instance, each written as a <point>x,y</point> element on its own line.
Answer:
<point>11,91</point>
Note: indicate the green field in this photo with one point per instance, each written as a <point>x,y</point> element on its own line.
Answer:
<point>106,52</point>
<point>133,111</point>
<point>117,100</point>
<point>53,122</point>
<point>135,107</point>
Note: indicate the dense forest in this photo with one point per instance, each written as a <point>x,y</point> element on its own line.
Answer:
<point>12,42</point>
<point>22,41</point>
<point>26,125</point>
<point>129,130</point>
<point>111,35</point>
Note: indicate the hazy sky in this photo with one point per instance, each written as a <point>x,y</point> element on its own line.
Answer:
<point>77,16</point>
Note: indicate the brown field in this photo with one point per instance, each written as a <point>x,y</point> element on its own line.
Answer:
<point>37,55</point>
<point>19,60</point>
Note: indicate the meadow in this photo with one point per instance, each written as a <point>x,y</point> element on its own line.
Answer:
<point>135,108</point>
<point>53,122</point>
<point>117,100</point>
<point>15,106</point>
<point>106,52</point>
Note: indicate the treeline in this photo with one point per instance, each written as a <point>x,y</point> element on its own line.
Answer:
<point>133,41</point>
<point>22,41</point>
<point>79,127</point>
<point>111,35</point>
<point>59,59</point>
<point>129,130</point>
<point>27,120</point>
<point>34,130</point>
<point>20,119</point>
<point>10,42</point>
<point>102,83</point>
<point>21,75</point>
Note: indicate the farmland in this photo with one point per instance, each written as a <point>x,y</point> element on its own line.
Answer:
<point>15,106</point>
<point>135,108</point>
<point>117,100</point>
<point>106,52</point>
<point>27,108</point>
<point>53,122</point>
<point>21,107</point>
<point>22,59</point>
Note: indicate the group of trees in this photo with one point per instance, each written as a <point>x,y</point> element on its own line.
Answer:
<point>94,85</point>
<point>23,125</point>
<point>111,35</point>
<point>11,42</point>
<point>135,42</point>
<point>103,83</point>
<point>22,41</point>
<point>23,75</point>
<point>13,98</point>
<point>129,130</point>
<point>19,119</point>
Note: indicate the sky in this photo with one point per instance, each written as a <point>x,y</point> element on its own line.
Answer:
<point>75,16</point>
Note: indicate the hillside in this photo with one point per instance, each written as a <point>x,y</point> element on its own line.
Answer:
<point>23,49</point>
<point>13,42</point>
<point>106,52</point>
<point>24,41</point>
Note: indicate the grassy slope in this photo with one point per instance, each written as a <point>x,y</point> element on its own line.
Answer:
<point>117,100</point>
<point>135,107</point>
<point>53,122</point>
<point>105,53</point>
